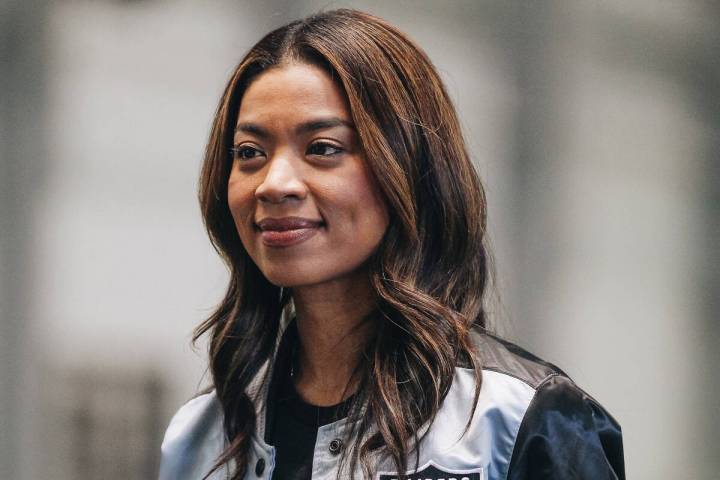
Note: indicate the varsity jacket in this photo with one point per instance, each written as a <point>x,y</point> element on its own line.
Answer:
<point>531,422</point>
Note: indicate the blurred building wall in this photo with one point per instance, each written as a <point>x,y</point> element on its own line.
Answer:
<point>22,166</point>
<point>594,127</point>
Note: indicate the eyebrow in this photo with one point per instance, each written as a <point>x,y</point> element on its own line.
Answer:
<point>303,128</point>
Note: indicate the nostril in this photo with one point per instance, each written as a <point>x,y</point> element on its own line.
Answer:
<point>277,194</point>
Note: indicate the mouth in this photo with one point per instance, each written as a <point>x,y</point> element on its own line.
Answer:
<point>287,231</point>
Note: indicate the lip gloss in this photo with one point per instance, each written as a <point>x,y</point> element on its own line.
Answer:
<point>286,238</point>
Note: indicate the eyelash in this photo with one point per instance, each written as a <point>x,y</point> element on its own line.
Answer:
<point>336,150</point>
<point>238,153</point>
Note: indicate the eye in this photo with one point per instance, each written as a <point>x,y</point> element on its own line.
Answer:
<point>323,149</point>
<point>245,153</point>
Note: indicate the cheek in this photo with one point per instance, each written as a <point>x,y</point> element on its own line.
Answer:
<point>375,203</point>
<point>241,203</point>
<point>376,218</point>
<point>368,210</point>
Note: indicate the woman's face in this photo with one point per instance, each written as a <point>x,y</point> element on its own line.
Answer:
<point>305,204</point>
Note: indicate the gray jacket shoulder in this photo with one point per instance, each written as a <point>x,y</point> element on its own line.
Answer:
<point>193,439</point>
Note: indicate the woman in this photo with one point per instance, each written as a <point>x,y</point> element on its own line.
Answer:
<point>351,342</point>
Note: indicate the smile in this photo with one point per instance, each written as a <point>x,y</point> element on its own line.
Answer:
<point>286,238</point>
<point>287,231</point>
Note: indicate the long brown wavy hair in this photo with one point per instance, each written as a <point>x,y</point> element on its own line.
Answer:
<point>429,272</point>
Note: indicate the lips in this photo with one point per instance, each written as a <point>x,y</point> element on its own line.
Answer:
<point>287,231</point>
<point>287,223</point>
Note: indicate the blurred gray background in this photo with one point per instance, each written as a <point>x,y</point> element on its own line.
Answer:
<point>594,126</point>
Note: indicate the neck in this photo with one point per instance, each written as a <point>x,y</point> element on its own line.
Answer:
<point>332,329</point>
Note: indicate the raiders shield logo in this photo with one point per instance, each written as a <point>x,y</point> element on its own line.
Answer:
<point>433,471</point>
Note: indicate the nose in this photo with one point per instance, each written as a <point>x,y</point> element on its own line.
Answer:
<point>282,181</point>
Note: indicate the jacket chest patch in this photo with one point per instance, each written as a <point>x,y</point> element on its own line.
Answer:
<point>434,471</point>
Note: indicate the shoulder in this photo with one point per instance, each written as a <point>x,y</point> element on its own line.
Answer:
<point>506,358</point>
<point>553,429</point>
<point>193,440</point>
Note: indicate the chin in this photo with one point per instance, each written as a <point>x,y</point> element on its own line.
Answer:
<point>284,281</point>
<point>288,277</point>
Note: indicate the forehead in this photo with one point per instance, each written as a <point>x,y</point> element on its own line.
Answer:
<point>292,90</point>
